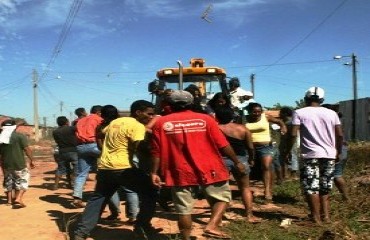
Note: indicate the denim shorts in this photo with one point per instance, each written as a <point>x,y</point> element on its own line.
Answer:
<point>317,175</point>
<point>185,197</point>
<point>264,150</point>
<point>231,166</point>
<point>339,166</point>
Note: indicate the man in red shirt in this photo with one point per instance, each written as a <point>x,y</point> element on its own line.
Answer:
<point>87,150</point>
<point>185,150</point>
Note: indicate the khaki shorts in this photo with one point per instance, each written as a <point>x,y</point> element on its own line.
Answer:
<point>185,197</point>
<point>16,180</point>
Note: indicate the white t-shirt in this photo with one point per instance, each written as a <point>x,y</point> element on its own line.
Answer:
<point>317,131</point>
<point>237,94</point>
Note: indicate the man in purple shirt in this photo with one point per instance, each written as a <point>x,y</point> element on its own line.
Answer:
<point>321,140</point>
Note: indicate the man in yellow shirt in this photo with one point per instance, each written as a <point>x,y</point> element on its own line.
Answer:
<point>115,169</point>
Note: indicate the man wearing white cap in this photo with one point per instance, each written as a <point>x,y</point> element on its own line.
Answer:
<point>321,141</point>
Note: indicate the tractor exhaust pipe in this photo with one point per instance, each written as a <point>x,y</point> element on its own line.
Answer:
<point>181,84</point>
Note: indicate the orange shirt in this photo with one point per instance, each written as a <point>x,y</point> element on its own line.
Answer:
<point>86,128</point>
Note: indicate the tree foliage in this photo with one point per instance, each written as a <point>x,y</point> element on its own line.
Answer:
<point>300,103</point>
<point>277,106</point>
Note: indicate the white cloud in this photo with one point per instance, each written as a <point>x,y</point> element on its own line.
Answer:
<point>125,66</point>
<point>158,8</point>
<point>7,7</point>
<point>235,46</point>
<point>237,4</point>
<point>16,15</point>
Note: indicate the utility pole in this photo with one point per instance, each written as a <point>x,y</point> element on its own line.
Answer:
<point>55,118</point>
<point>354,103</point>
<point>252,77</point>
<point>353,64</point>
<point>44,120</point>
<point>61,108</point>
<point>35,78</point>
<point>45,127</point>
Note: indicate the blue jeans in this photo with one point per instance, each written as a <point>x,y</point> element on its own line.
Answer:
<point>87,158</point>
<point>132,203</point>
<point>114,204</point>
<point>293,165</point>
<point>108,182</point>
<point>67,162</point>
<point>131,206</point>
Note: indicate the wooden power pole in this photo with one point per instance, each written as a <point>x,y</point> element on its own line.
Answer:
<point>252,84</point>
<point>35,104</point>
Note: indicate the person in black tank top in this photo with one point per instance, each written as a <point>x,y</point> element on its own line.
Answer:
<point>240,140</point>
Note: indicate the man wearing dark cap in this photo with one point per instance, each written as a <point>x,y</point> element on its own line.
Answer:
<point>321,144</point>
<point>14,165</point>
<point>186,155</point>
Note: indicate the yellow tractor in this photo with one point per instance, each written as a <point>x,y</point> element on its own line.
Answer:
<point>208,79</point>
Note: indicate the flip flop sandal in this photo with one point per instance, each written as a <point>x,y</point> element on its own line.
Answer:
<point>255,220</point>
<point>217,235</point>
<point>18,205</point>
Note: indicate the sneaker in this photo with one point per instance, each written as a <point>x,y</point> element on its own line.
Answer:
<point>77,203</point>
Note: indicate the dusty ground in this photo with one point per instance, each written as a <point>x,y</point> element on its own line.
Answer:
<point>49,214</point>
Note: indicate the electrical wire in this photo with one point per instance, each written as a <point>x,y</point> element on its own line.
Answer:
<point>15,83</point>
<point>305,37</point>
<point>63,35</point>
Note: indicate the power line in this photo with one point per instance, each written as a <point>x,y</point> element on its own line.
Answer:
<point>225,67</point>
<point>282,64</point>
<point>46,89</point>
<point>14,84</point>
<point>307,36</point>
<point>63,35</point>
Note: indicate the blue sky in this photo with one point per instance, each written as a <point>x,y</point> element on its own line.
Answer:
<point>114,48</point>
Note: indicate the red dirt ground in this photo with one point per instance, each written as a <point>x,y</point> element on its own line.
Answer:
<point>49,214</point>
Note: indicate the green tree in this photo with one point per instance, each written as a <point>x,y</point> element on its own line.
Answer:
<point>277,106</point>
<point>300,103</point>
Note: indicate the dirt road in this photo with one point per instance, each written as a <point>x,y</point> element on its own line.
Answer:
<point>49,214</point>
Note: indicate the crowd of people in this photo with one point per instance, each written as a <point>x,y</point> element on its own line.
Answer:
<point>186,150</point>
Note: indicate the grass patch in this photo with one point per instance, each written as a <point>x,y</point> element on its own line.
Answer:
<point>350,220</point>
